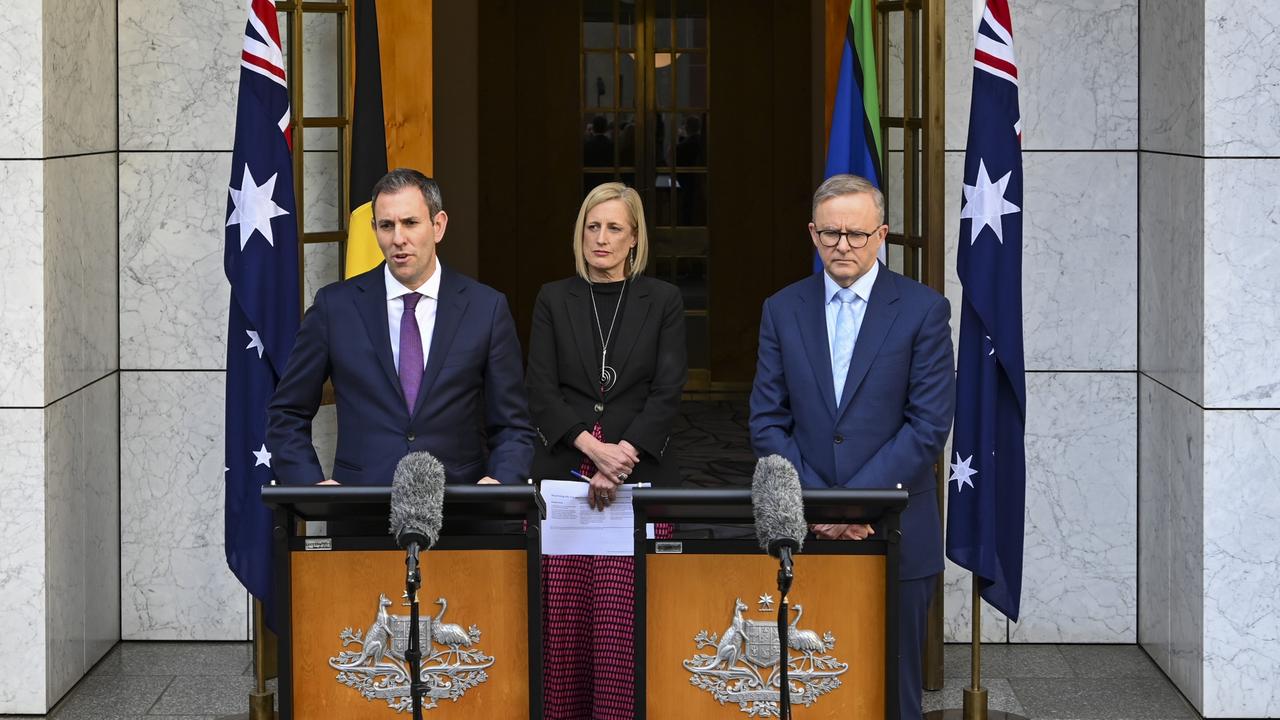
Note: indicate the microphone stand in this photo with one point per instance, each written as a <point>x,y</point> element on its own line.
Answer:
<point>413,654</point>
<point>786,573</point>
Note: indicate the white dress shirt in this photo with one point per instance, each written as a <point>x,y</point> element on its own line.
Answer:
<point>860,287</point>
<point>425,313</point>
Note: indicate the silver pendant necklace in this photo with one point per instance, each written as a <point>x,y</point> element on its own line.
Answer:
<point>608,376</point>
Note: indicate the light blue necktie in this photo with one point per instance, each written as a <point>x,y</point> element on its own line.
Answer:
<point>842,348</point>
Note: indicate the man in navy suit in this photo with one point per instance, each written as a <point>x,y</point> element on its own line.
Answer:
<point>421,358</point>
<point>855,385</point>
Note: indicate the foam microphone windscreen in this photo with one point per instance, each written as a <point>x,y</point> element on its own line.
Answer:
<point>417,498</point>
<point>778,505</point>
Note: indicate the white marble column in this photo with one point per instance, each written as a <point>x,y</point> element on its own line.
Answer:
<point>59,356</point>
<point>1210,411</point>
<point>1078,84</point>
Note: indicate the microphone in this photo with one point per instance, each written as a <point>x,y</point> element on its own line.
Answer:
<point>417,498</point>
<point>778,507</point>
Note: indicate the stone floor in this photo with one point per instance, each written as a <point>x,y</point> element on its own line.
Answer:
<point>208,681</point>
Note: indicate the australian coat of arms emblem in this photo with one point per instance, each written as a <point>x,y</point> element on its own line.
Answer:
<point>451,662</point>
<point>743,666</point>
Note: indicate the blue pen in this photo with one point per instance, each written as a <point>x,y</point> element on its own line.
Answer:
<point>580,476</point>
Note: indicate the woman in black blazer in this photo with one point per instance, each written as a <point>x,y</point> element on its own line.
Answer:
<point>607,366</point>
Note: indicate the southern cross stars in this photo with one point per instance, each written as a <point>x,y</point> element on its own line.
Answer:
<point>985,205</point>
<point>262,456</point>
<point>254,208</point>
<point>961,473</point>
<point>255,342</point>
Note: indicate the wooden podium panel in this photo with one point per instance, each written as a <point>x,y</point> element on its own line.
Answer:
<point>687,594</point>
<point>336,590</point>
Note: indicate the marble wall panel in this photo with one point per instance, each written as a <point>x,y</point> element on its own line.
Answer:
<point>64,539</point>
<point>320,174</point>
<point>100,450</point>
<point>1241,554</point>
<point>179,67</point>
<point>22,564</point>
<point>320,58</point>
<point>174,579</point>
<point>80,319</point>
<point>1170,544</point>
<point>1156,453</point>
<point>82,520</point>
<point>173,292</point>
<point>21,85</point>
<point>22,293</point>
<point>1171,273</point>
<point>1171,44</point>
<point>1079,262</point>
<point>79,76</point>
<point>1077,67</point>
<point>319,268</point>
<point>1080,558</point>
<point>1241,74</point>
<point>1241,292</point>
<point>953,172</point>
<point>958,91</point>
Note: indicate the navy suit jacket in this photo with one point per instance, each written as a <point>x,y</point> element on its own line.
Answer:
<point>471,398</point>
<point>895,413</point>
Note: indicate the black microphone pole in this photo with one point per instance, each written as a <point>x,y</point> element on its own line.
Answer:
<point>786,573</point>
<point>413,654</point>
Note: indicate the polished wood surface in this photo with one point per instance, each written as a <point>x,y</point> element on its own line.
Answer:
<point>404,48</point>
<point>686,594</point>
<point>836,13</point>
<point>337,590</point>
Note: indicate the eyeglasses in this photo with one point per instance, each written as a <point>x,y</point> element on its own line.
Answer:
<point>857,238</point>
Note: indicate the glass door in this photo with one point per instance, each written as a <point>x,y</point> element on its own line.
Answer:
<point>645,122</point>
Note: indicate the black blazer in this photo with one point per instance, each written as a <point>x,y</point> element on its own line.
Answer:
<point>563,378</point>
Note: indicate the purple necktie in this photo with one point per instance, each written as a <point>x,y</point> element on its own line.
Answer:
<point>411,364</point>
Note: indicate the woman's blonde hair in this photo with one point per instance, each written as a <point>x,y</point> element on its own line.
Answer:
<point>602,194</point>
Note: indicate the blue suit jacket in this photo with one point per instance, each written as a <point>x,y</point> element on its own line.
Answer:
<point>892,421</point>
<point>472,394</point>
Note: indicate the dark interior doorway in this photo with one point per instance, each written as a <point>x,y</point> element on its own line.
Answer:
<point>707,107</point>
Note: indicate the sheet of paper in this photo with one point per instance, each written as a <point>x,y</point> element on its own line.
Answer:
<point>572,527</point>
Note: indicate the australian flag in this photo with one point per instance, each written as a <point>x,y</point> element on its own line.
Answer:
<point>987,486</point>
<point>261,262</point>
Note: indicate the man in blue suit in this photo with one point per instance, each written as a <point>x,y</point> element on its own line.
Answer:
<point>855,385</point>
<point>421,359</point>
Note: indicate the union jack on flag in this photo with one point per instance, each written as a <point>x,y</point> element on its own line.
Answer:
<point>261,262</point>
<point>987,485</point>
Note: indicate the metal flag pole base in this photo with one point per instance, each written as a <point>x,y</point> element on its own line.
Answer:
<point>975,696</point>
<point>262,704</point>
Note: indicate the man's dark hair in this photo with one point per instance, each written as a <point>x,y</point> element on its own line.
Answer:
<point>402,178</point>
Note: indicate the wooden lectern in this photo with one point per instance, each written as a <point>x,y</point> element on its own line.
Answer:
<point>343,617</point>
<point>707,640</point>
